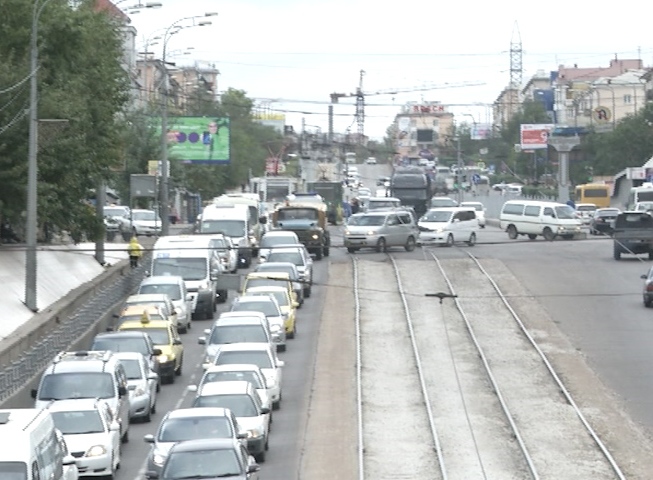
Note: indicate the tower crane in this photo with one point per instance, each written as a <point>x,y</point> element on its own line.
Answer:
<point>360,95</point>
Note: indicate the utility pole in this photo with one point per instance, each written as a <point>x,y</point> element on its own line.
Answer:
<point>459,173</point>
<point>360,109</point>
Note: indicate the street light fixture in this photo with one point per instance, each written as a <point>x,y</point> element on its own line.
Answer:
<point>174,28</point>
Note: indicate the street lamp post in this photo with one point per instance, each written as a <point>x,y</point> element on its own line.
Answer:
<point>171,30</point>
<point>32,166</point>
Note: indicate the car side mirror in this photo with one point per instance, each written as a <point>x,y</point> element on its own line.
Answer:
<point>68,460</point>
<point>253,467</point>
<point>643,277</point>
<point>149,438</point>
<point>176,342</point>
<point>109,329</point>
<point>33,393</point>
<point>151,475</point>
<point>189,298</point>
<point>153,376</point>
<point>215,274</point>
<point>122,391</point>
<point>174,312</point>
<point>281,363</point>
<point>265,410</point>
<point>156,352</point>
<point>114,427</point>
<point>192,388</point>
<point>241,435</point>
<point>201,340</point>
<point>295,305</point>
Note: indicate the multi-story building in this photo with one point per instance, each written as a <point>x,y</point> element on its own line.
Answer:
<point>422,129</point>
<point>505,107</point>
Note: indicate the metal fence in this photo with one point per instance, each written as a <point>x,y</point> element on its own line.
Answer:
<point>92,314</point>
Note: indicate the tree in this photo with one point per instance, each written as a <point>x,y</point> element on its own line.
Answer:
<point>81,80</point>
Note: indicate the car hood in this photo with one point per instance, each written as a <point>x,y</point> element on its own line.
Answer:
<point>362,228</point>
<point>433,225</point>
<point>297,224</point>
<point>248,423</point>
<point>162,448</point>
<point>147,223</point>
<point>84,441</point>
<point>275,321</point>
<point>138,382</point>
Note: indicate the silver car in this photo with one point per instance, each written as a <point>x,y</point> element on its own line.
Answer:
<point>380,230</point>
<point>141,383</point>
<point>299,256</point>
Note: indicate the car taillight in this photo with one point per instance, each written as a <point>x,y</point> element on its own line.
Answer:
<point>649,287</point>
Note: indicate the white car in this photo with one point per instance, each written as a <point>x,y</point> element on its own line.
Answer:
<point>271,239</point>
<point>237,372</point>
<point>91,433</point>
<point>480,211</point>
<point>141,383</point>
<point>241,398</point>
<point>175,287</point>
<point>370,161</point>
<point>260,355</point>
<point>585,212</point>
<point>227,253</point>
<point>145,222</point>
<point>446,226</point>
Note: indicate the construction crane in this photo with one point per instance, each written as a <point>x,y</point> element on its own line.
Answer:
<point>360,97</point>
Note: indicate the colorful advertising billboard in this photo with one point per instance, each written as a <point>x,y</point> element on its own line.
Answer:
<point>535,136</point>
<point>199,140</point>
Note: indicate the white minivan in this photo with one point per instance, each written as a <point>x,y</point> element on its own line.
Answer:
<point>448,225</point>
<point>534,217</point>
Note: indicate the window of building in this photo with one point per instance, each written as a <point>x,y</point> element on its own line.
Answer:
<point>628,99</point>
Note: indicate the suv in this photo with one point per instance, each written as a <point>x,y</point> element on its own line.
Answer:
<point>87,374</point>
<point>380,230</point>
<point>186,424</point>
<point>175,287</point>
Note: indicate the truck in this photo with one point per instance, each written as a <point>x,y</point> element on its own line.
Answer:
<point>332,194</point>
<point>633,234</point>
<point>306,215</point>
<point>413,187</point>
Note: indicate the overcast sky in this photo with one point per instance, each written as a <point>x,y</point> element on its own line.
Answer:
<point>281,52</point>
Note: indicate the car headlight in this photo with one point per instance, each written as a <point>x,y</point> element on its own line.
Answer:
<point>346,232</point>
<point>138,392</point>
<point>275,328</point>
<point>96,451</point>
<point>315,236</point>
<point>371,232</point>
<point>254,433</point>
<point>158,459</point>
<point>163,358</point>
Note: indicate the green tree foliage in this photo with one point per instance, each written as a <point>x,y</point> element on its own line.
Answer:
<point>81,81</point>
<point>630,144</point>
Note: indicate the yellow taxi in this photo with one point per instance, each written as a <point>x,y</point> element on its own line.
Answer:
<point>287,305</point>
<point>270,279</point>
<point>133,313</point>
<point>165,337</point>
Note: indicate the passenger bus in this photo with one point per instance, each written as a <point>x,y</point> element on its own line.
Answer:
<point>639,194</point>
<point>596,193</point>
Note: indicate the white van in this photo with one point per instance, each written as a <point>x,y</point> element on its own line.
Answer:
<point>533,218</point>
<point>253,203</point>
<point>233,221</point>
<point>448,225</point>
<point>31,448</point>
<point>191,258</point>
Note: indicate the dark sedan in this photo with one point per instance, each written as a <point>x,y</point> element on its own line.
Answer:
<point>601,223</point>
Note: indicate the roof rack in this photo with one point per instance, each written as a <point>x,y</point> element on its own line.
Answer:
<point>103,355</point>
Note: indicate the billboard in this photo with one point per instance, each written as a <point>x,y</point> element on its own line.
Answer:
<point>481,131</point>
<point>535,136</point>
<point>199,140</point>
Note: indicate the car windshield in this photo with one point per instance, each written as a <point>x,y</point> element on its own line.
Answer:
<point>271,241</point>
<point>145,216</point>
<point>170,289</point>
<point>607,213</point>
<point>297,214</point>
<point>366,220</point>
<point>382,204</point>
<point>209,463</point>
<point>241,404</point>
<point>644,206</point>
<point>476,206</point>
<point>231,228</point>
<point>192,428</point>
<point>586,208</point>
<point>291,257</point>
<point>238,334</point>
<point>78,423</point>
<point>62,386</point>
<point>235,375</point>
<point>276,268</point>
<point>265,282</point>
<point>162,305</point>
<point>443,202</point>
<point>186,268</point>
<point>280,297</point>
<point>13,471</point>
<point>132,368</point>
<point>436,216</point>
<point>114,212</point>
<point>123,344</point>
<point>268,308</point>
<point>260,358</point>
<point>564,212</point>
<point>159,336</point>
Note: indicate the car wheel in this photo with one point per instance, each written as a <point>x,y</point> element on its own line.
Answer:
<point>307,293</point>
<point>326,251</point>
<point>153,408</point>
<point>472,240</point>
<point>410,244</point>
<point>180,368</point>
<point>532,236</point>
<point>125,436</point>
<point>291,334</point>
<point>512,232</point>
<point>318,254</point>
<point>281,348</point>
<point>148,416</point>
<point>647,302</point>
<point>351,249</point>
<point>548,234</point>
<point>449,240</point>
<point>650,255</point>
<point>182,329</point>
<point>616,253</point>
<point>381,245</point>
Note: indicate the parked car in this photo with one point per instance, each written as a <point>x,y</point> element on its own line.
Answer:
<point>601,222</point>
<point>145,222</point>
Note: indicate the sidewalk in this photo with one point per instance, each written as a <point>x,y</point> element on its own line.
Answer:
<point>60,269</point>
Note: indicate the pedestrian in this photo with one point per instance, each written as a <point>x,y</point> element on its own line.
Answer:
<point>355,207</point>
<point>135,250</point>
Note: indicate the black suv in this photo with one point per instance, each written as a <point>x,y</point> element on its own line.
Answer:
<point>139,342</point>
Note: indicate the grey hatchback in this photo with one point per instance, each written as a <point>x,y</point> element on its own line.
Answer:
<point>380,230</point>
